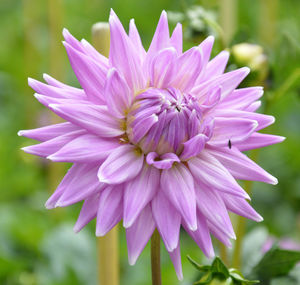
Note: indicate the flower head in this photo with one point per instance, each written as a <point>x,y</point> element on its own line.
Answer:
<point>156,138</point>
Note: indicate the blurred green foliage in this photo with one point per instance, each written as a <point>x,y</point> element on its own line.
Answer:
<point>38,246</point>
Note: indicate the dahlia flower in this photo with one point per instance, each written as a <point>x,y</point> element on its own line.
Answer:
<point>155,138</point>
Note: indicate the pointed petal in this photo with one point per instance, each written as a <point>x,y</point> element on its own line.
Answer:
<point>83,185</point>
<point>262,119</point>
<point>212,207</point>
<point>161,38</point>
<point>57,92</point>
<point>215,67</point>
<point>110,209</point>
<point>85,148</point>
<point>257,140</point>
<point>241,98</point>
<point>234,129</point>
<point>49,132</point>
<point>240,166</point>
<point>189,66</point>
<point>163,67</point>
<point>117,93</point>
<point>178,185</point>
<point>139,234</point>
<point>206,47</point>
<point>87,213</point>
<point>90,75</point>
<point>176,38</point>
<point>71,174</point>
<point>241,207</point>
<point>136,40</point>
<point>202,236</point>
<point>94,118</point>
<point>49,147</point>
<point>176,260</point>
<point>167,220</point>
<point>219,234</point>
<point>123,55</point>
<point>228,82</point>
<point>207,169</point>
<point>193,146</point>
<point>139,192</point>
<point>123,164</point>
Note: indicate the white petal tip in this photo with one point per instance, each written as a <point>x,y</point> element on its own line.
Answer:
<point>20,133</point>
<point>132,260</point>
<point>274,181</point>
<point>127,224</point>
<point>193,228</point>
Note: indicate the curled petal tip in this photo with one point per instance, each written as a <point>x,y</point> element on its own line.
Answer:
<point>132,260</point>
<point>20,133</point>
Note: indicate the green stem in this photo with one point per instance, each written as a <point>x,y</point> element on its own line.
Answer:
<point>241,223</point>
<point>155,258</point>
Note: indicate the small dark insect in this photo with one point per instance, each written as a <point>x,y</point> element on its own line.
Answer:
<point>229,144</point>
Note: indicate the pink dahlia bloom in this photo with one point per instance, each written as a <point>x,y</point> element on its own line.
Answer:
<point>156,138</point>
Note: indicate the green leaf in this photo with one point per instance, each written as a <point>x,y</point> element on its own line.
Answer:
<point>237,276</point>
<point>276,262</point>
<point>206,279</point>
<point>202,268</point>
<point>219,267</point>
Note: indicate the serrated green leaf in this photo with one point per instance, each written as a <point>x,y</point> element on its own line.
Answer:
<point>276,262</point>
<point>219,267</point>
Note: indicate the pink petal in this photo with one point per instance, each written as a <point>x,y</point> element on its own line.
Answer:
<point>88,212</point>
<point>139,234</point>
<point>193,146</point>
<point>241,207</point>
<point>189,66</point>
<point>117,93</point>
<point>202,236</point>
<point>83,185</point>
<point>110,209</point>
<point>123,164</point>
<point>136,40</point>
<point>123,55</point>
<point>233,129</point>
<point>90,74</point>
<point>176,260</point>
<point>241,98</point>
<point>57,92</point>
<point>51,146</point>
<point>206,47</point>
<point>176,38</point>
<point>258,140</point>
<point>207,169</point>
<point>138,193</point>
<point>228,82</point>
<point>167,220</point>
<point>212,207</point>
<point>85,148</point>
<point>165,161</point>
<point>240,166</point>
<point>262,120</point>
<point>178,185</point>
<point>219,234</point>
<point>94,118</point>
<point>49,132</point>
<point>215,67</point>
<point>163,67</point>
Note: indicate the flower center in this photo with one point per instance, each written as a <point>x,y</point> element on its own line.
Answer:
<point>161,120</point>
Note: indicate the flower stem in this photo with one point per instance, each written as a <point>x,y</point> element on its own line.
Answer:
<point>241,223</point>
<point>155,258</point>
<point>108,247</point>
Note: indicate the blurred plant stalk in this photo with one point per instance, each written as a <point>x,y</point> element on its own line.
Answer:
<point>108,246</point>
<point>228,19</point>
<point>55,18</point>
<point>155,258</point>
